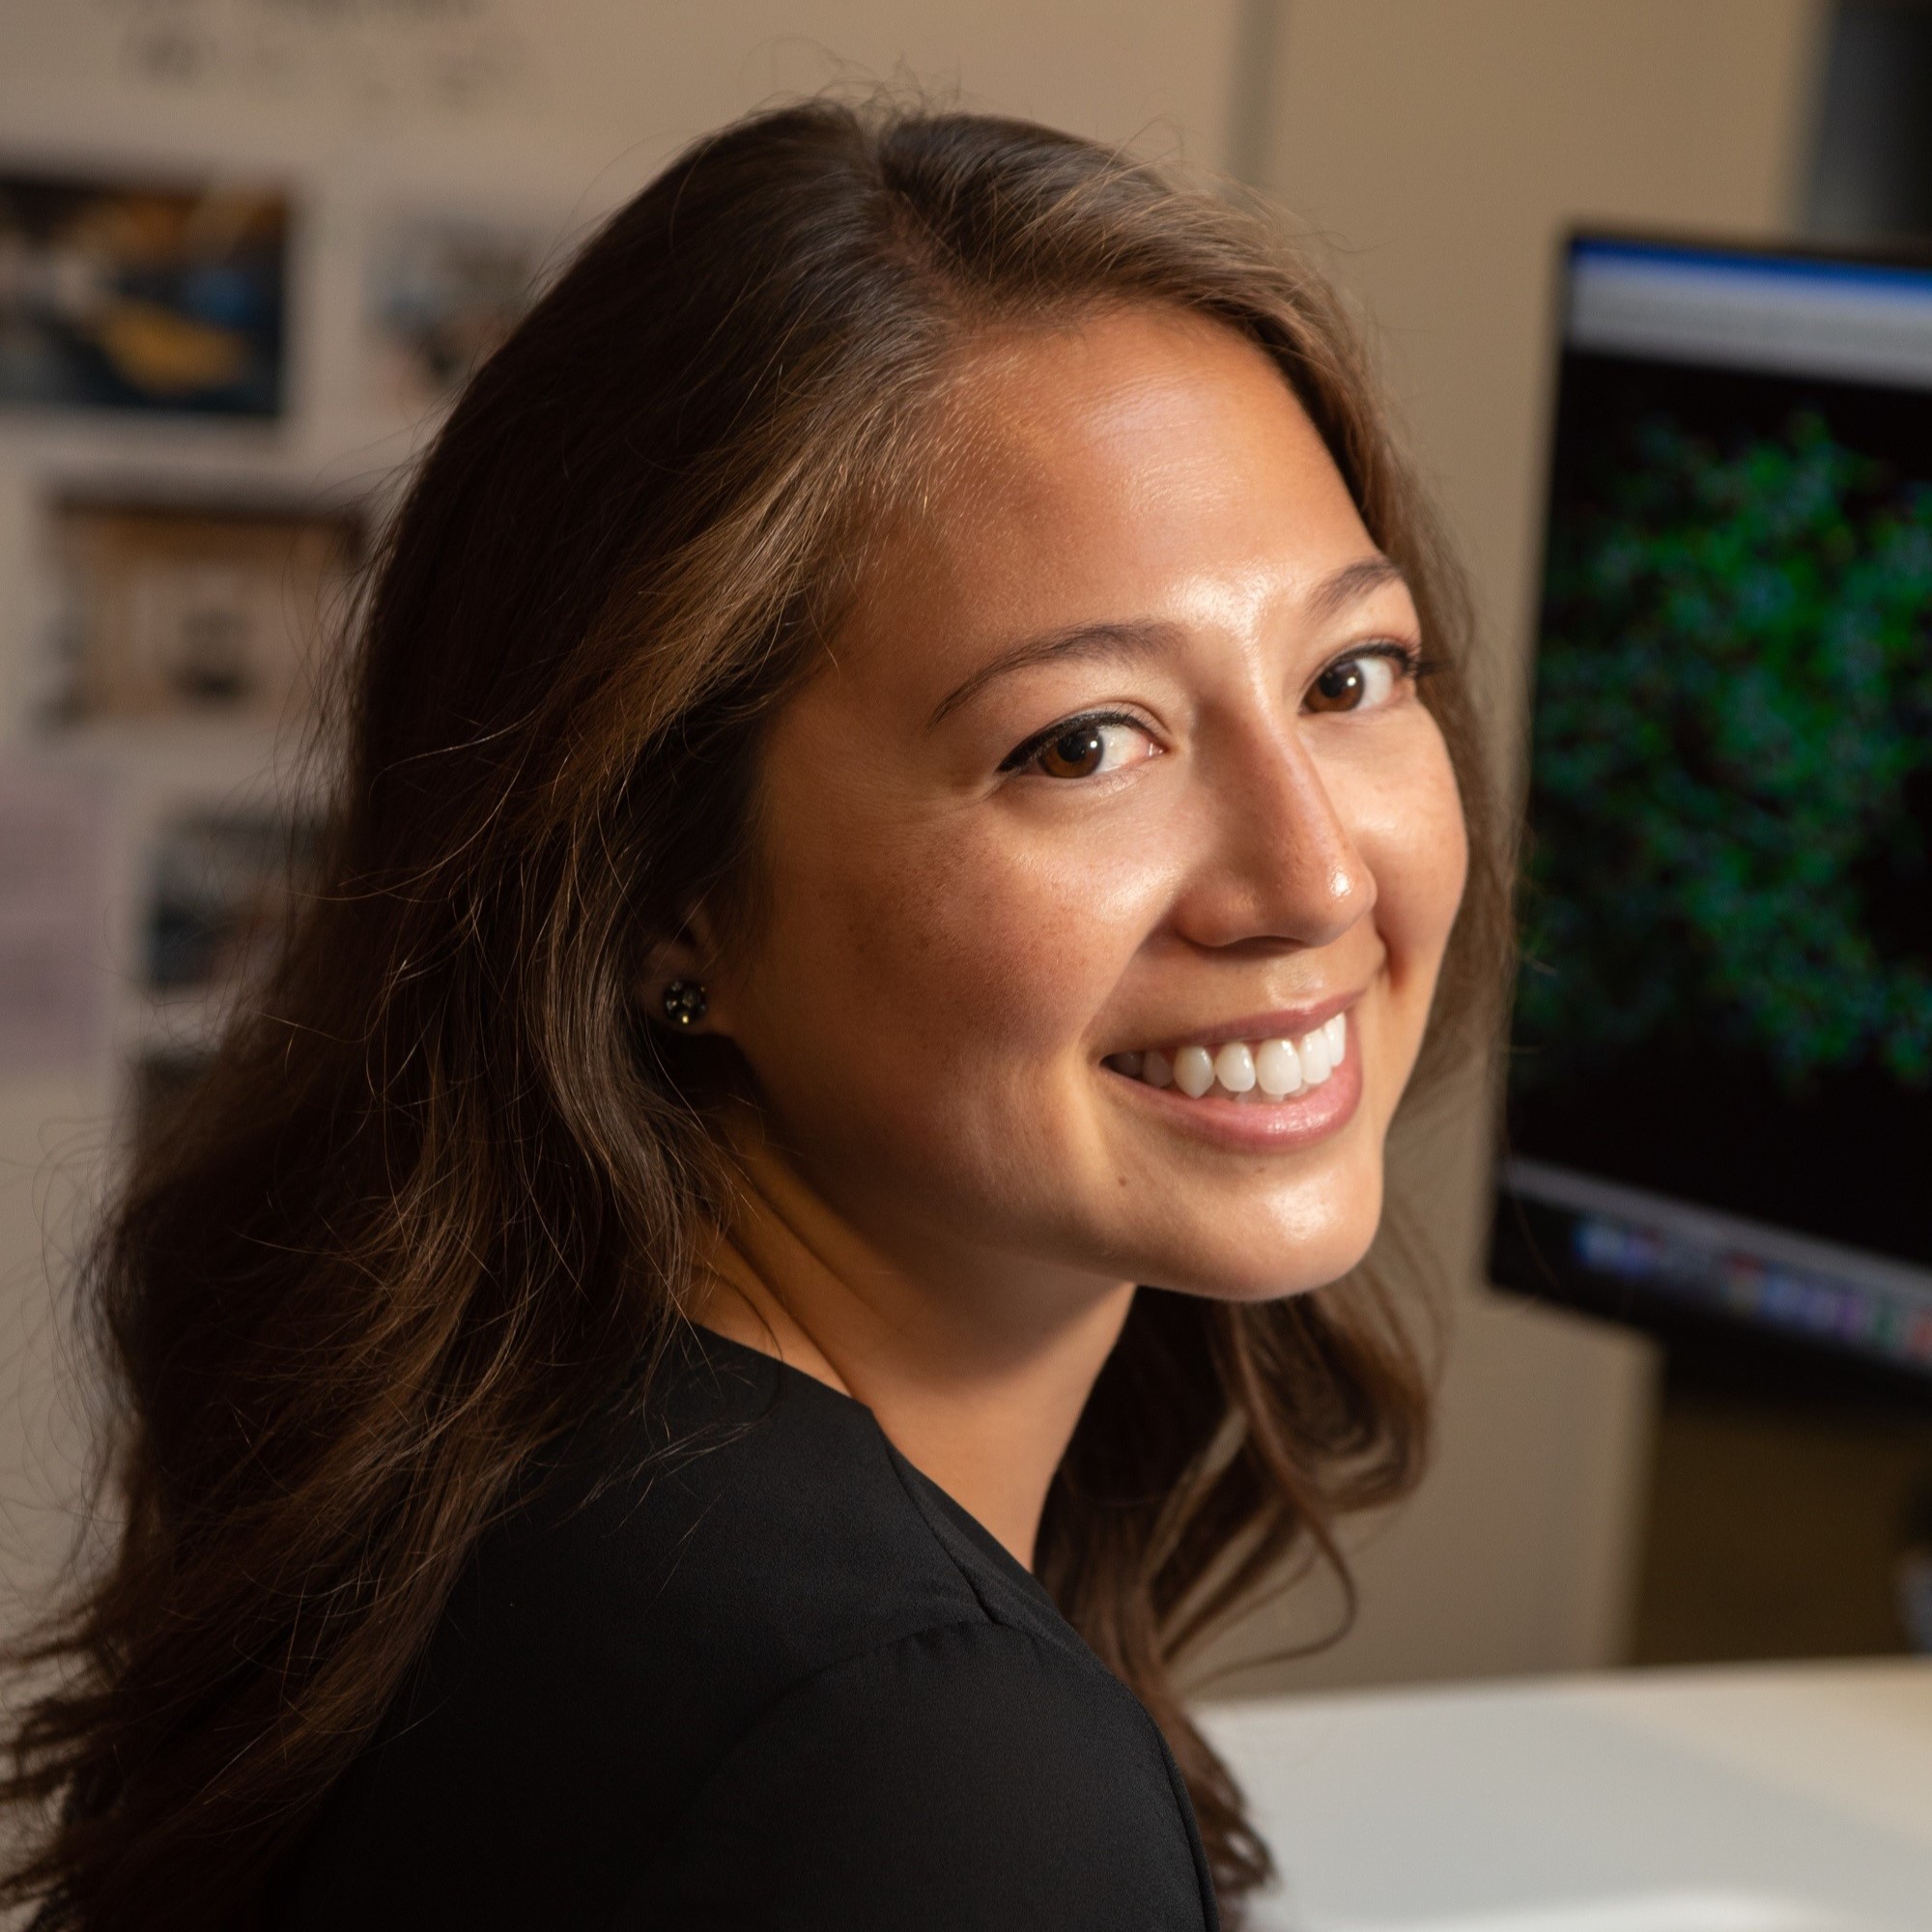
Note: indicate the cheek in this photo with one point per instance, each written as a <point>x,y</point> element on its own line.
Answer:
<point>945,954</point>
<point>1408,822</point>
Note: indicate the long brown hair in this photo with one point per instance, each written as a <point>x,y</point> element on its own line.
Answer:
<point>436,1199</point>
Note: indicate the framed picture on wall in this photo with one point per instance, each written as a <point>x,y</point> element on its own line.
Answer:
<point>173,611</point>
<point>221,883</point>
<point>145,296</point>
<point>56,988</point>
<point>444,290</point>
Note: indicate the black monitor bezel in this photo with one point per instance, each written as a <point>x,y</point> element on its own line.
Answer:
<point>1702,1344</point>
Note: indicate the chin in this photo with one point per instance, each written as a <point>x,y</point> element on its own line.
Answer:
<point>1269,1272</point>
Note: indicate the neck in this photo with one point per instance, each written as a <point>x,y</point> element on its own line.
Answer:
<point>978,1387</point>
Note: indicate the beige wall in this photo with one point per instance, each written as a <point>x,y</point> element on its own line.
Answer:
<point>1435,146</point>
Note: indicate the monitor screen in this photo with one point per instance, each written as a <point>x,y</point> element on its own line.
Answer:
<point>1719,1085</point>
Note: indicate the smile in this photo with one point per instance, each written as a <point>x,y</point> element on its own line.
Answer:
<point>1257,1072</point>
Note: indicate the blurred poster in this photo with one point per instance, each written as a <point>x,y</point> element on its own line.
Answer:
<point>184,611</point>
<point>222,883</point>
<point>141,295</point>
<point>55,979</point>
<point>445,291</point>
<point>368,64</point>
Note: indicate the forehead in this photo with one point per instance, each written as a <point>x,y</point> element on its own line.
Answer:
<point>1142,464</point>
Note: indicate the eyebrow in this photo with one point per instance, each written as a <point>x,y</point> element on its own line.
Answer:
<point>1148,638</point>
<point>1352,582</point>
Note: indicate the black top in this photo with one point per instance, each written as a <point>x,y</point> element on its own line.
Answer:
<point>776,1679</point>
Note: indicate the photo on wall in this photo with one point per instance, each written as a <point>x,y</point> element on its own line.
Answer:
<point>152,296</point>
<point>181,611</point>
<point>56,982</point>
<point>445,291</point>
<point>221,887</point>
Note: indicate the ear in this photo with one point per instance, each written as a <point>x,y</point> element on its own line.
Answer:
<point>690,957</point>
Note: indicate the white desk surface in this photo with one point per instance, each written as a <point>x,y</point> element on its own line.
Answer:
<point>1790,1799</point>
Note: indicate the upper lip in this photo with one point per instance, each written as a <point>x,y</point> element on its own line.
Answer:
<point>1283,1023</point>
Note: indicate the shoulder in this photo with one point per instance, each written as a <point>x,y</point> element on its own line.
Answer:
<point>744,1506</point>
<point>729,1621</point>
<point>963,1776</point>
<point>668,1576</point>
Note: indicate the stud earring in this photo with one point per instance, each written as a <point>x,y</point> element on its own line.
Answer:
<point>685,1002</point>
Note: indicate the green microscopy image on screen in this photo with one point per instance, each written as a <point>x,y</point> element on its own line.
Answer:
<point>1734,714</point>
<point>1726,904</point>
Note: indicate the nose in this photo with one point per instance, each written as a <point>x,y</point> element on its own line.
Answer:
<point>1278,867</point>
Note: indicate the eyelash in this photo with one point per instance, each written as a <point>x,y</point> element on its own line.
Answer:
<point>1415,666</point>
<point>1024,755</point>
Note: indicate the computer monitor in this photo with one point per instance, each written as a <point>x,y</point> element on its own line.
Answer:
<point>1718,1114</point>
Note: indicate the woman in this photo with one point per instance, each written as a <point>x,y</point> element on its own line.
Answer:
<point>890,799</point>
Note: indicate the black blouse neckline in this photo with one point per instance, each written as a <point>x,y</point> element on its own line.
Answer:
<point>985,1545</point>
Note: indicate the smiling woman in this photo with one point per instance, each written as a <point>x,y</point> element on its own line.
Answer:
<point>789,1230</point>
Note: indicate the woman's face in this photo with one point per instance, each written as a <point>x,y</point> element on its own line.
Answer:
<point>1115,781</point>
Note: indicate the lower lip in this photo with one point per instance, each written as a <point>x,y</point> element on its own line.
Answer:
<point>1264,1126</point>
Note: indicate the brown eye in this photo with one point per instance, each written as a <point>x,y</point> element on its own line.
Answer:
<point>1084,748</point>
<point>1358,683</point>
<point>1339,687</point>
<point>1074,755</point>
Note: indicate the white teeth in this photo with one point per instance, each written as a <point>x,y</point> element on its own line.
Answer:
<point>1193,1071</point>
<point>1335,1030</point>
<point>1278,1068</point>
<point>1252,1072</point>
<point>1235,1068</point>
<point>1316,1066</point>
